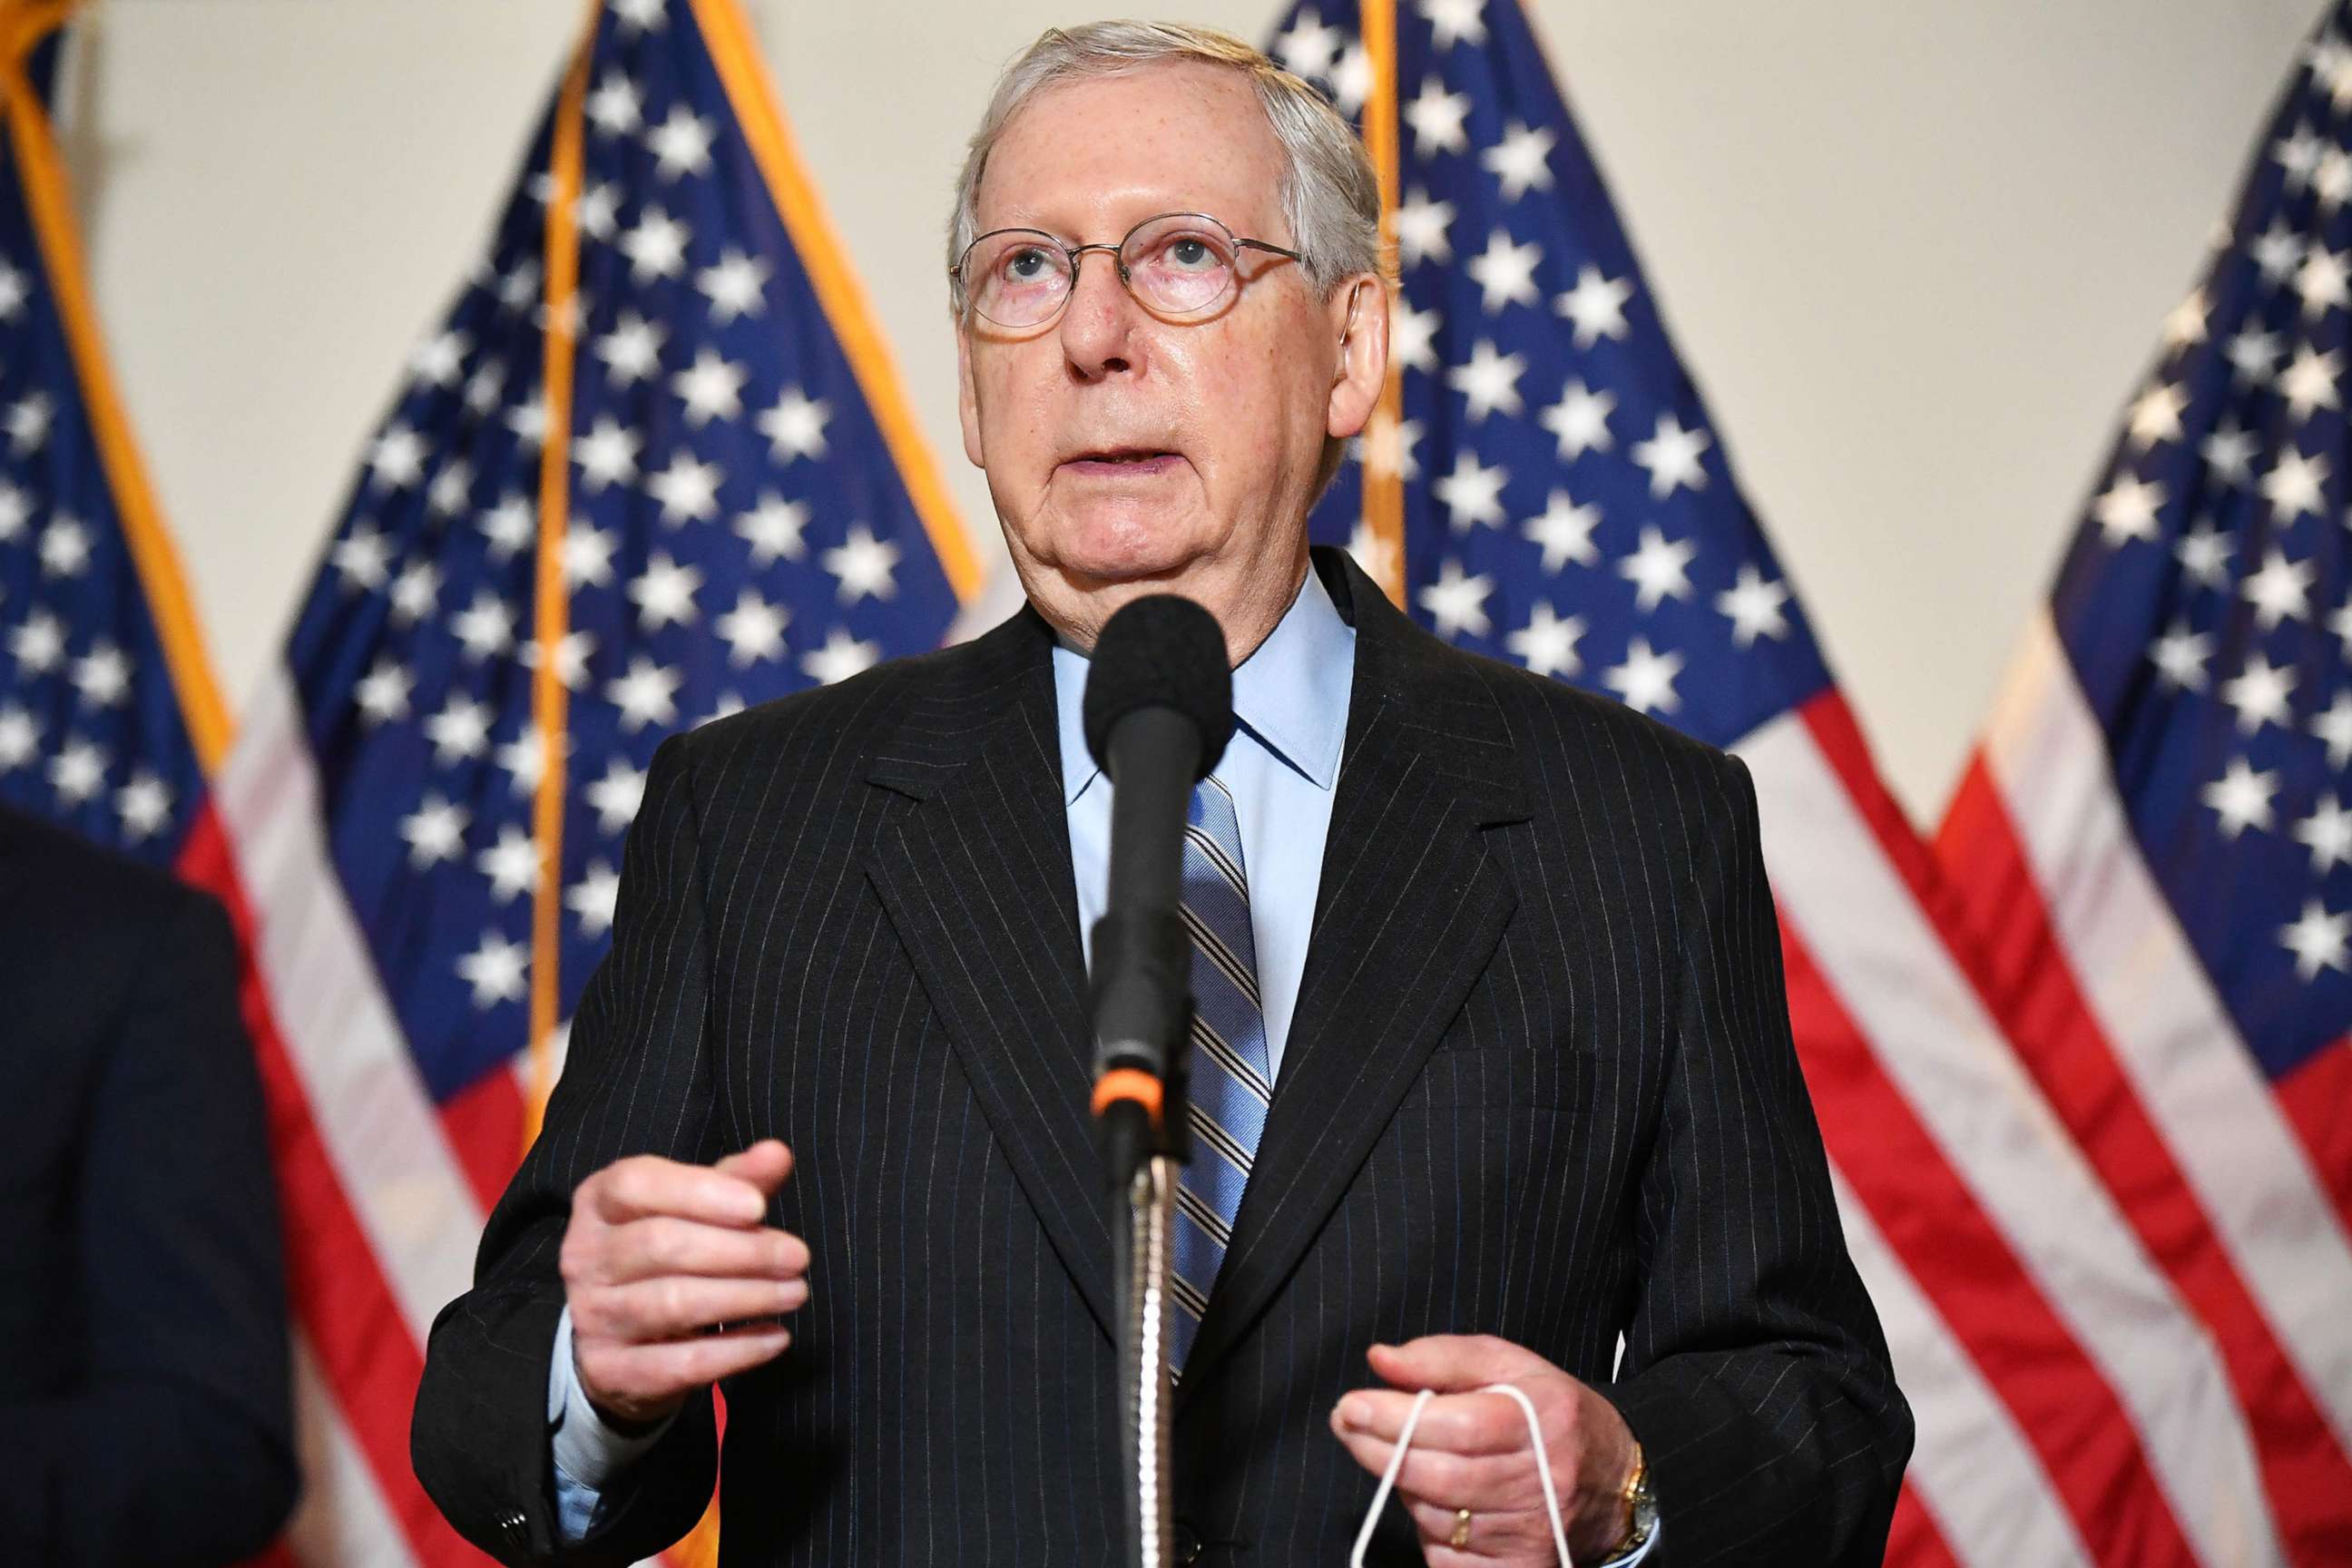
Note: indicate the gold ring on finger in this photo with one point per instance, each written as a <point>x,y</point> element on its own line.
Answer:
<point>1460,1539</point>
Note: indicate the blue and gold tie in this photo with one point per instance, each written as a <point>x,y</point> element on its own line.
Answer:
<point>1231,1077</point>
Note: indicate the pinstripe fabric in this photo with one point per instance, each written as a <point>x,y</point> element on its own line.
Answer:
<point>1539,1085</point>
<point>1231,1078</point>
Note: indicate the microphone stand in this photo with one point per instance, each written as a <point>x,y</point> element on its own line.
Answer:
<point>1144,1015</point>
<point>1143,1233</point>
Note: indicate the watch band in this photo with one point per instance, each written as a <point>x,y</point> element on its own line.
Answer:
<point>1641,1509</point>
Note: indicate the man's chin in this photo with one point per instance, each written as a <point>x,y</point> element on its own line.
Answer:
<point>1093,559</point>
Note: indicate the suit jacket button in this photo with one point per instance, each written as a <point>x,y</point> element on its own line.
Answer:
<point>1188,1545</point>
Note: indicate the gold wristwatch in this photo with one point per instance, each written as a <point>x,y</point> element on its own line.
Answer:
<point>1641,1508</point>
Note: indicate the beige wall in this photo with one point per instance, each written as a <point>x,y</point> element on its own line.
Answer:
<point>1915,252</point>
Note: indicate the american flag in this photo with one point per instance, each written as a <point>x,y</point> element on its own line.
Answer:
<point>1567,504</point>
<point>652,466</point>
<point>2152,842</point>
<point>108,711</point>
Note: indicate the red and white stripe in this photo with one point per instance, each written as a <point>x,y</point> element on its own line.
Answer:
<point>379,1223</point>
<point>2232,1192</point>
<point>2010,1280</point>
<point>385,1193</point>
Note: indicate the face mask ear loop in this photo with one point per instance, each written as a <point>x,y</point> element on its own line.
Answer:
<point>1388,1481</point>
<point>1404,1441</point>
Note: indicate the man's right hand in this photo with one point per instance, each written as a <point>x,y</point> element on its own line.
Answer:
<point>658,1256</point>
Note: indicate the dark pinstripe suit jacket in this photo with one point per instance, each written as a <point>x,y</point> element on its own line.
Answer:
<point>1539,1085</point>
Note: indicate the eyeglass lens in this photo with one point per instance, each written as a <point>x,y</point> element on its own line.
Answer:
<point>1178,266</point>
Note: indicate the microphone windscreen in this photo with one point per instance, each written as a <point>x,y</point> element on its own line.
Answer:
<point>1160,651</point>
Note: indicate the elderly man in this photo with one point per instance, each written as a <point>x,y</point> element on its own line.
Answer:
<point>1497,1070</point>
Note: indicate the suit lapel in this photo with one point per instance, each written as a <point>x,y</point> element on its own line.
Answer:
<point>975,876</point>
<point>1408,914</point>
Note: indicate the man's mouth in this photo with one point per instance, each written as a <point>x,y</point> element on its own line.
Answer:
<point>1122,462</point>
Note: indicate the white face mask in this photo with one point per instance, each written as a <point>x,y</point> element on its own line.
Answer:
<point>1404,1442</point>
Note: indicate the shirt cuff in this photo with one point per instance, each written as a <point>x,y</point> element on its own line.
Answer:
<point>589,1452</point>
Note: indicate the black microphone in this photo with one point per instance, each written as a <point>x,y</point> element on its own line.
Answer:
<point>1158,710</point>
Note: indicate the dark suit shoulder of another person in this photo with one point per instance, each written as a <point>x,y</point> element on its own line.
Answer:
<point>145,1414</point>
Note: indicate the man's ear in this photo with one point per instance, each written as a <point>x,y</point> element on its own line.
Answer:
<point>967,397</point>
<point>1360,315</point>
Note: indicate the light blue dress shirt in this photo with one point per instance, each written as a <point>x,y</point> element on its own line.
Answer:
<point>1290,706</point>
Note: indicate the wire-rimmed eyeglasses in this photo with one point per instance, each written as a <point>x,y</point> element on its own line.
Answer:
<point>1179,265</point>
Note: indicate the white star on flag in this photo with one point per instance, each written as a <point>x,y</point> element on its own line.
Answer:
<point>2327,833</point>
<point>1421,229</point>
<point>2259,693</point>
<point>1521,161</point>
<point>436,832</point>
<point>607,454</point>
<point>2179,655</point>
<point>1645,681</point>
<point>681,143</point>
<point>1547,644</point>
<point>2280,591</point>
<point>1580,420</point>
<point>594,898</point>
<point>460,729</point>
<point>2127,510</point>
<point>646,695</point>
<point>1659,570</point>
<point>495,970</point>
<point>587,556</point>
<point>1453,22</point>
<point>773,529</point>
<point>796,426</point>
<point>2318,940</point>
<point>686,490</point>
<point>2242,797</point>
<point>752,630</point>
<point>1755,606</point>
<point>631,349</point>
<point>842,657</point>
<point>736,287</point>
<point>656,247</point>
<point>1564,530</point>
<point>1505,272</point>
<point>1472,493</point>
<point>1672,456</point>
<point>616,797</point>
<point>1457,600</point>
<point>1490,381</point>
<point>863,564</point>
<point>1597,306</point>
<point>1435,119</point>
<point>511,865</point>
<point>663,592</point>
<point>2292,485</point>
<point>2334,727</point>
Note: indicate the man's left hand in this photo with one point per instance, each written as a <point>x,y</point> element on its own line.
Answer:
<point>1472,1450</point>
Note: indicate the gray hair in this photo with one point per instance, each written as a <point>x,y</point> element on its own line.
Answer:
<point>1329,192</point>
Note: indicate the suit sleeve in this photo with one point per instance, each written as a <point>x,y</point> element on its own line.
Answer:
<point>1755,1372</point>
<point>177,1445</point>
<point>637,1081</point>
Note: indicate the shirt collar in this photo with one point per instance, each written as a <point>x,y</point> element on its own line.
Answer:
<point>1291,695</point>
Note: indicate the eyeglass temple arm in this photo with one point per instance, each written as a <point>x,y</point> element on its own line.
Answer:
<point>1262,245</point>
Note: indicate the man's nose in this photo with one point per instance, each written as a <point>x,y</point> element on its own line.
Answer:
<point>1098,321</point>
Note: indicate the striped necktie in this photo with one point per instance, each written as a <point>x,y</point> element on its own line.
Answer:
<point>1231,1078</point>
